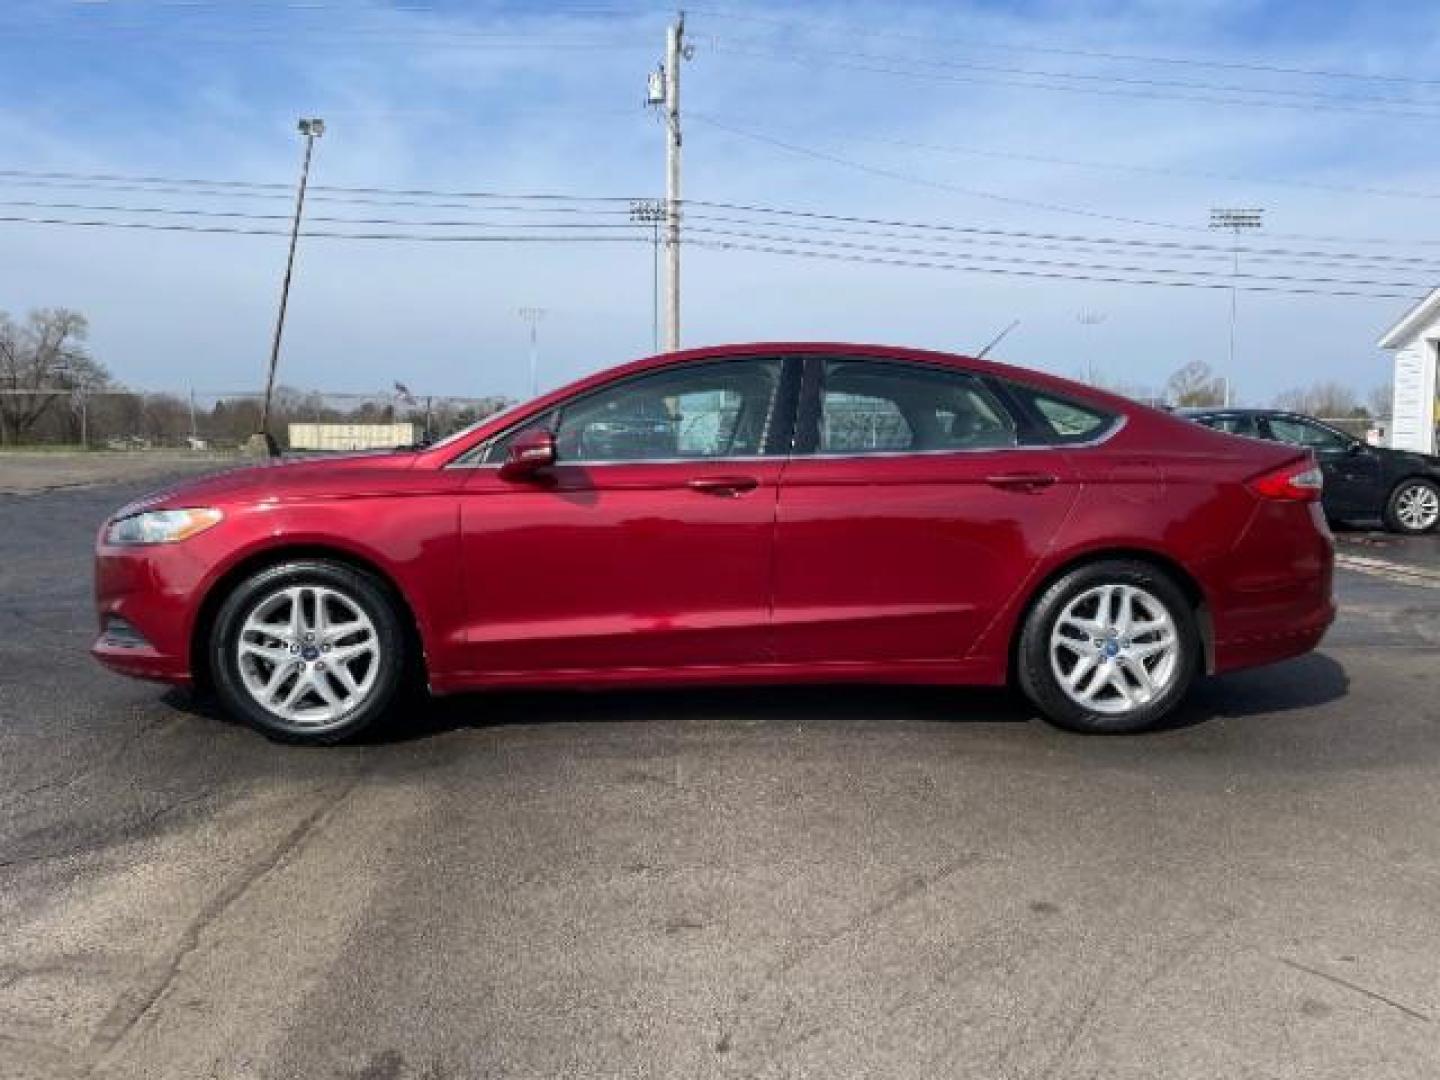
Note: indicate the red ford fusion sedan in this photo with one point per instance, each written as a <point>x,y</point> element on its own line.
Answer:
<point>740,514</point>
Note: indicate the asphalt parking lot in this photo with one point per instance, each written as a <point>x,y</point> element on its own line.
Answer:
<point>781,882</point>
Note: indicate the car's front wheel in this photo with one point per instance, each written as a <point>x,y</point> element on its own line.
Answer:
<point>1414,507</point>
<point>308,651</point>
<point>1109,647</point>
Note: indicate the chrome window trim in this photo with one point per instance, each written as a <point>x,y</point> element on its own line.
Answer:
<point>636,461</point>
<point>1121,420</point>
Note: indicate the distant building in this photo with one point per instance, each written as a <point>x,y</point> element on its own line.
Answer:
<point>1415,341</point>
<point>351,436</point>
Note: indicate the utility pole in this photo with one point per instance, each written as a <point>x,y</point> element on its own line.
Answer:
<point>652,213</point>
<point>1236,221</point>
<point>533,316</point>
<point>312,128</point>
<point>665,93</point>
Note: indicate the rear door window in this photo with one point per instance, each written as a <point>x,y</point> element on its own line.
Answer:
<point>1230,423</point>
<point>1304,433</point>
<point>877,407</point>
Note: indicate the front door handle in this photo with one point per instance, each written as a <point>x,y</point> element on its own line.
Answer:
<point>726,486</point>
<point>1021,481</point>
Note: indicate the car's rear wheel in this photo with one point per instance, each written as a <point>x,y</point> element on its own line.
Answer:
<point>1110,647</point>
<point>308,652</point>
<point>1414,507</point>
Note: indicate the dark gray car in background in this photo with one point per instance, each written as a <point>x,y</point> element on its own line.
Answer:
<point>1362,482</point>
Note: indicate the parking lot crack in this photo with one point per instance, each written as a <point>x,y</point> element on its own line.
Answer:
<point>133,1010</point>
<point>1373,995</point>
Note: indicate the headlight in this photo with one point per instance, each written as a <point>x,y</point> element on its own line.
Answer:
<point>161,526</point>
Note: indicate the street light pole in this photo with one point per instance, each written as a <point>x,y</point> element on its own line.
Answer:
<point>1091,319</point>
<point>533,316</point>
<point>312,128</point>
<point>1236,221</point>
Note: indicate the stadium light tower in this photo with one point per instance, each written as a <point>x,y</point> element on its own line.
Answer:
<point>1235,220</point>
<point>312,128</point>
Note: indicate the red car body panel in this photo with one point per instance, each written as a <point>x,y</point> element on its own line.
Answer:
<point>895,567</point>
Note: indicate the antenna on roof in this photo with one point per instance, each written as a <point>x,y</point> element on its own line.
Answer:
<point>996,340</point>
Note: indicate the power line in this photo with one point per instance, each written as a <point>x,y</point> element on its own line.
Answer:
<point>1100,245</point>
<point>1150,170</point>
<point>907,63</point>
<point>551,203</point>
<point>260,185</point>
<point>792,57</point>
<point>1089,54</point>
<point>241,215</point>
<point>939,185</point>
<point>921,181</point>
<point>846,245</point>
<point>783,246</point>
<point>215,188</point>
<point>1011,238</point>
<point>155,226</point>
<point>723,245</point>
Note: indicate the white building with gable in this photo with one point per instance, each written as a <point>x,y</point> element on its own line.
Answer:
<point>1415,341</point>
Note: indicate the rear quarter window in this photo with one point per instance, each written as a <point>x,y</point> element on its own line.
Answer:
<point>1064,420</point>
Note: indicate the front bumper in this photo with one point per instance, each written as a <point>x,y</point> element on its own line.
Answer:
<point>151,591</point>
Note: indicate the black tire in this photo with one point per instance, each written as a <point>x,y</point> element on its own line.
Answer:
<point>1393,519</point>
<point>1041,684</point>
<point>359,589</point>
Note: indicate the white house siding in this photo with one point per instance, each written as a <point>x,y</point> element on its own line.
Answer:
<point>1413,422</point>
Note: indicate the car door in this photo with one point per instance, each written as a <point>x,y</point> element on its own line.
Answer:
<point>1353,473</point>
<point>648,544</point>
<point>909,514</point>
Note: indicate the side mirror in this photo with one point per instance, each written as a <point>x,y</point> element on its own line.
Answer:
<point>531,452</point>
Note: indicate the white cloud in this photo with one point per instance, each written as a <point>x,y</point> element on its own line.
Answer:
<point>409,106</point>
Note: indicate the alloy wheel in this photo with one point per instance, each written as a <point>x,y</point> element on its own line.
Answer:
<point>308,655</point>
<point>1114,649</point>
<point>1417,506</point>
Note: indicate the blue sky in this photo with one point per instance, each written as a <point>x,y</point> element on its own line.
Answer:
<point>915,113</point>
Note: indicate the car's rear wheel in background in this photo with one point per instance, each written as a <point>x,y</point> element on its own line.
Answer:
<point>308,651</point>
<point>1414,506</point>
<point>1109,647</point>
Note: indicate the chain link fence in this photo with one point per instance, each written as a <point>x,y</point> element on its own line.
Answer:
<point>120,420</point>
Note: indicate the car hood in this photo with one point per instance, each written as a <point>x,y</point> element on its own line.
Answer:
<point>284,479</point>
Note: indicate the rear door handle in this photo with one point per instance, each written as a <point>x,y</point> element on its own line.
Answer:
<point>1021,481</point>
<point>727,486</point>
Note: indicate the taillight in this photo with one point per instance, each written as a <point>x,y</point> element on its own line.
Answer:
<point>1300,481</point>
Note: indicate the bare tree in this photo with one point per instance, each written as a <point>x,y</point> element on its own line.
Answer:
<point>1381,400</point>
<point>1195,384</point>
<point>1325,399</point>
<point>45,357</point>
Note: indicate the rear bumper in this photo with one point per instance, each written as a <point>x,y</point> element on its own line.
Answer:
<point>1268,648</point>
<point>1274,597</point>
